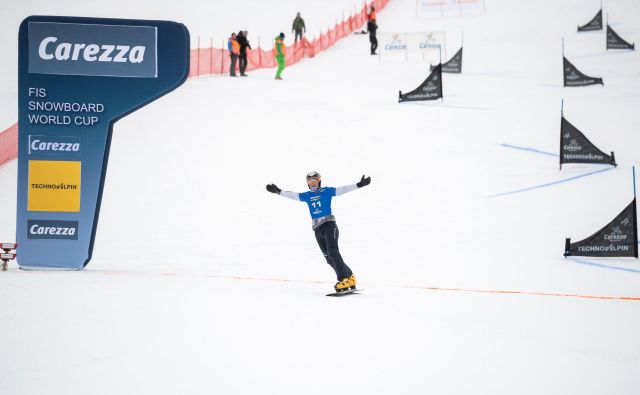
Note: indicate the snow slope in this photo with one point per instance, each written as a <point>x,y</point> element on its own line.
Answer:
<point>202,282</point>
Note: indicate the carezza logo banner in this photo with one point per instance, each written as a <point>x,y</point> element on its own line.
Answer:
<point>619,238</point>
<point>76,78</point>
<point>394,42</point>
<point>52,229</point>
<point>430,89</point>
<point>593,24</point>
<point>575,147</point>
<point>93,49</point>
<point>573,76</point>
<point>614,41</point>
<point>454,65</point>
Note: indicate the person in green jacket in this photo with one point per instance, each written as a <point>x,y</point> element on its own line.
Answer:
<point>280,51</point>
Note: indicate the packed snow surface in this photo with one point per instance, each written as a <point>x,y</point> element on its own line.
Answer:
<point>202,282</point>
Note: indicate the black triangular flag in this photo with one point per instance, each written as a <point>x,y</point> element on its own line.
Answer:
<point>454,65</point>
<point>594,24</point>
<point>616,42</point>
<point>575,147</point>
<point>618,238</point>
<point>430,89</point>
<point>573,76</point>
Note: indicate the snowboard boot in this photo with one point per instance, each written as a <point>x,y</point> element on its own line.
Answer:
<point>352,282</point>
<point>342,286</point>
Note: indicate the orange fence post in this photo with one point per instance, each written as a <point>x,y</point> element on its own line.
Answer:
<point>222,59</point>
<point>198,72</point>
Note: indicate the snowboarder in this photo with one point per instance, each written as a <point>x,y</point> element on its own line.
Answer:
<point>323,223</point>
<point>280,51</point>
<point>234,51</point>
<point>298,28</point>
<point>372,26</point>
<point>244,44</point>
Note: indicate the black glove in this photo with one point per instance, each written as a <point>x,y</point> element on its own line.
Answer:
<point>364,182</point>
<point>273,188</point>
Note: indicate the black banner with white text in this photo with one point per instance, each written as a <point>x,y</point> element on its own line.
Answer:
<point>619,238</point>
<point>430,89</point>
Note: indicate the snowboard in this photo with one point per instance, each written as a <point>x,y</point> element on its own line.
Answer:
<point>343,293</point>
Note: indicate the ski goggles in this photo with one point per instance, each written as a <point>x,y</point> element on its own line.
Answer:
<point>313,180</point>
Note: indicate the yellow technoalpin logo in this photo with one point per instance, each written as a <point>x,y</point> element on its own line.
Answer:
<point>54,186</point>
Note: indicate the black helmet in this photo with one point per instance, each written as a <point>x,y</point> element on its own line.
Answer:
<point>281,35</point>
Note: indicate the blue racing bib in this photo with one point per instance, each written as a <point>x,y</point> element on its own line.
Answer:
<point>319,202</point>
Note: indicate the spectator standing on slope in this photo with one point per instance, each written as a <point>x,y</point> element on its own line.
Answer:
<point>280,52</point>
<point>234,52</point>
<point>244,44</point>
<point>372,13</point>
<point>372,26</point>
<point>298,28</point>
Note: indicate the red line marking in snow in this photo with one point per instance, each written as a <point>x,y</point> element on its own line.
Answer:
<point>468,290</point>
<point>533,293</point>
<point>440,289</point>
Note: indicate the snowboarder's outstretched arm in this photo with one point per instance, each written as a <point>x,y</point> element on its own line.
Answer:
<point>273,188</point>
<point>348,188</point>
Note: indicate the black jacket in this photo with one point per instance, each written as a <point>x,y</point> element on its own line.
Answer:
<point>371,28</point>
<point>244,43</point>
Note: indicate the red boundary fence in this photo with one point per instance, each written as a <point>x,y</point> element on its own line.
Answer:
<point>211,61</point>
<point>9,144</point>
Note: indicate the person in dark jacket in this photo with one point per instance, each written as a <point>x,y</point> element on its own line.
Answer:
<point>234,52</point>
<point>298,28</point>
<point>372,26</point>
<point>244,44</point>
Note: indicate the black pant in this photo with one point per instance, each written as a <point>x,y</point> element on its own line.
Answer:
<point>374,44</point>
<point>327,237</point>
<point>232,69</point>
<point>298,36</point>
<point>243,62</point>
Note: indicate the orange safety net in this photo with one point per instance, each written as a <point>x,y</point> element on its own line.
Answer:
<point>9,144</point>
